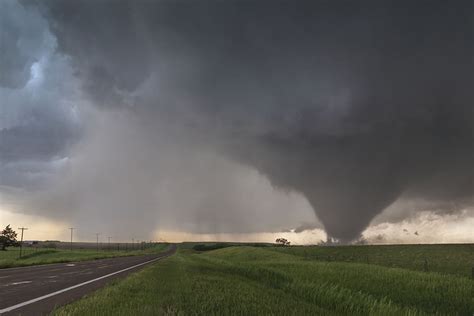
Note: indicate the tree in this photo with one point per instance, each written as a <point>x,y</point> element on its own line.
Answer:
<point>8,238</point>
<point>282,241</point>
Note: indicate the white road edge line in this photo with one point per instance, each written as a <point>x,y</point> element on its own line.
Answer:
<point>9,309</point>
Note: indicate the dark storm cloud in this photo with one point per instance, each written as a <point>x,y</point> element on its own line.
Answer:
<point>19,43</point>
<point>43,136</point>
<point>29,152</point>
<point>351,103</point>
<point>36,126</point>
<point>306,227</point>
<point>34,133</point>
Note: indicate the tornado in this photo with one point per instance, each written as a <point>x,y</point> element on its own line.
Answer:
<point>352,104</point>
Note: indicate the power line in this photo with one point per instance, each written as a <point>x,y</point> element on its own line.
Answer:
<point>21,242</point>
<point>97,236</point>
<point>71,228</point>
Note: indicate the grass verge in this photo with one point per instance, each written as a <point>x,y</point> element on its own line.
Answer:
<point>261,281</point>
<point>10,258</point>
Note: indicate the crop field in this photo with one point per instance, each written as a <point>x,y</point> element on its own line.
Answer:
<point>244,280</point>
<point>11,257</point>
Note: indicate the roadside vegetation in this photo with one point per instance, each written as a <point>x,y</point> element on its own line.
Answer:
<point>34,256</point>
<point>245,280</point>
<point>455,259</point>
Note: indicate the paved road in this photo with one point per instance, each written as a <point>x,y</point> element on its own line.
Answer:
<point>36,290</point>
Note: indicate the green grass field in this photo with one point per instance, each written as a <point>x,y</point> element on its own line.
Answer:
<point>455,259</point>
<point>286,281</point>
<point>10,258</point>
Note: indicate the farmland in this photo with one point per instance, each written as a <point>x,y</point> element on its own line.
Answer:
<point>246,280</point>
<point>34,256</point>
<point>457,259</point>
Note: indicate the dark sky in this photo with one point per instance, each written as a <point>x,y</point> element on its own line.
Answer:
<point>353,104</point>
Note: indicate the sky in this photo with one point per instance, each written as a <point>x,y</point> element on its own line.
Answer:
<point>339,121</point>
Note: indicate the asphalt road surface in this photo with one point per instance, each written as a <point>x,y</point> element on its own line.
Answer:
<point>37,290</point>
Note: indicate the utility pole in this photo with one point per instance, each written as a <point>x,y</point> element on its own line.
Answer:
<point>133,243</point>
<point>109,241</point>
<point>21,242</point>
<point>97,237</point>
<point>71,228</point>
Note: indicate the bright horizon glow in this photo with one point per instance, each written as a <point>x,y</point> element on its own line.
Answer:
<point>39,228</point>
<point>430,228</point>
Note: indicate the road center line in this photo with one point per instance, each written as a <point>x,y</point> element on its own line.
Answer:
<point>21,282</point>
<point>8,309</point>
